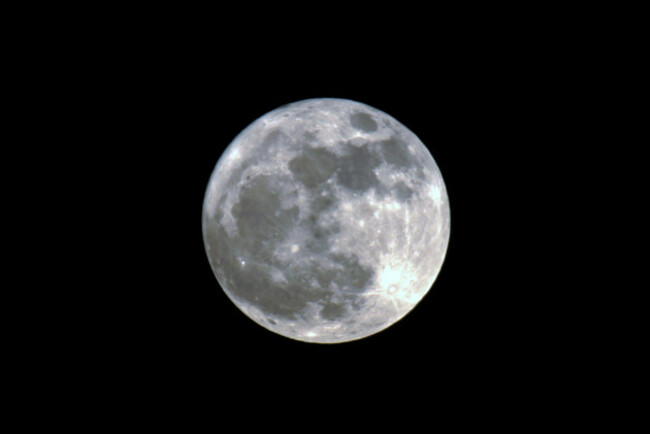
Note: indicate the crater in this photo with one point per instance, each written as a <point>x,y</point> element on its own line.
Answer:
<point>363,121</point>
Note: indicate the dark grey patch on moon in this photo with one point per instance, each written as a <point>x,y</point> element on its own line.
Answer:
<point>323,202</point>
<point>275,138</point>
<point>313,167</point>
<point>289,299</point>
<point>363,122</point>
<point>259,215</point>
<point>332,311</point>
<point>286,300</point>
<point>310,137</point>
<point>244,263</point>
<point>252,282</point>
<point>348,275</point>
<point>402,191</point>
<point>356,170</point>
<point>396,153</point>
<point>318,240</point>
<point>354,276</point>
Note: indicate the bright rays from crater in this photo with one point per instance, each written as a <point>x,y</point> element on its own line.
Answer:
<point>397,280</point>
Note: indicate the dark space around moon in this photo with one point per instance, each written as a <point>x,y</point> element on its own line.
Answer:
<point>152,332</point>
<point>145,103</point>
<point>466,327</point>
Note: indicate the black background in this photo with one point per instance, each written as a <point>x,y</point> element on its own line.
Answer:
<point>135,107</point>
<point>171,108</point>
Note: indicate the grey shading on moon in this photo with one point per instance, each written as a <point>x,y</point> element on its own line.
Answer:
<point>326,221</point>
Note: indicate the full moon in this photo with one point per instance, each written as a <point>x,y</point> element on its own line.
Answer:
<point>326,220</point>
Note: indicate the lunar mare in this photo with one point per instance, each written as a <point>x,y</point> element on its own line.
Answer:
<point>326,220</point>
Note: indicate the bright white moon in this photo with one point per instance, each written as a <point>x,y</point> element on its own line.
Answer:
<point>326,220</point>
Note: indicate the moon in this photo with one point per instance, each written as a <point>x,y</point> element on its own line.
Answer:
<point>326,220</point>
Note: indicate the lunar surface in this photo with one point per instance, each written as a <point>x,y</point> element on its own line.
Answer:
<point>326,220</point>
